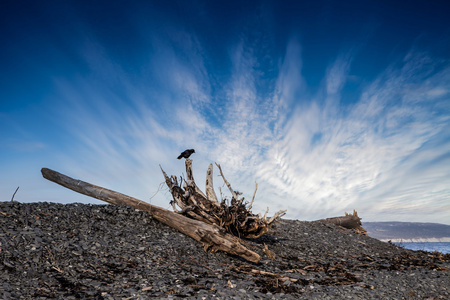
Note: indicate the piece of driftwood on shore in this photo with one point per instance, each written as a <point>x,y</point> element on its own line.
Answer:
<point>349,221</point>
<point>213,237</point>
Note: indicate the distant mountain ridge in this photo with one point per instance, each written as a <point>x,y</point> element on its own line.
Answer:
<point>408,231</point>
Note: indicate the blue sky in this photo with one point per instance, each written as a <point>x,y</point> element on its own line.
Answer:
<point>329,106</point>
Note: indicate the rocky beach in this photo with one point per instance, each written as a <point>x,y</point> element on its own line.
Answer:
<point>79,251</point>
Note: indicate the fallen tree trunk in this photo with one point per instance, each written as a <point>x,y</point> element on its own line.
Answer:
<point>213,237</point>
<point>349,221</point>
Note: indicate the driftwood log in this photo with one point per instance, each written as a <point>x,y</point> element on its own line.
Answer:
<point>212,236</point>
<point>349,221</point>
<point>235,215</point>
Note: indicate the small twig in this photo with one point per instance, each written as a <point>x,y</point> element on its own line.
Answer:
<point>253,198</point>
<point>265,214</point>
<point>49,252</point>
<point>12,199</point>
<point>269,253</point>
<point>265,273</point>
<point>57,269</point>
<point>160,187</point>
<point>233,193</point>
<point>277,216</point>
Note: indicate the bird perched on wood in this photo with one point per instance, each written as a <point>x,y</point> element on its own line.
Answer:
<point>186,153</point>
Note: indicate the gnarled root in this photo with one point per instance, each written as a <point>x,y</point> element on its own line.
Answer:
<point>235,217</point>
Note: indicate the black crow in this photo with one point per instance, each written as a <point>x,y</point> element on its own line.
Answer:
<point>186,153</point>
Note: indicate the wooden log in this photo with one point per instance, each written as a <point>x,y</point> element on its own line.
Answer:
<point>349,221</point>
<point>213,237</point>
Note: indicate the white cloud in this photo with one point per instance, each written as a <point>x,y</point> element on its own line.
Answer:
<point>337,75</point>
<point>363,155</point>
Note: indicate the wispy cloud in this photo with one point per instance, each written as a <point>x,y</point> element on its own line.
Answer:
<point>362,156</point>
<point>23,146</point>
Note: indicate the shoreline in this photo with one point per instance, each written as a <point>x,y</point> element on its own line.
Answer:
<point>418,240</point>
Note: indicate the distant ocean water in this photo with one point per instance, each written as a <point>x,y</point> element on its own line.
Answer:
<point>431,247</point>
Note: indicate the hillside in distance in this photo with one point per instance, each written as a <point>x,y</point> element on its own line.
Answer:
<point>408,231</point>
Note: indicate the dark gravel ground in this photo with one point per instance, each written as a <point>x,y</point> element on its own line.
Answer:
<point>73,251</point>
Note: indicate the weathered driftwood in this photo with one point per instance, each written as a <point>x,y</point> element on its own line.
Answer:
<point>210,193</point>
<point>236,216</point>
<point>212,237</point>
<point>349,221</point>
